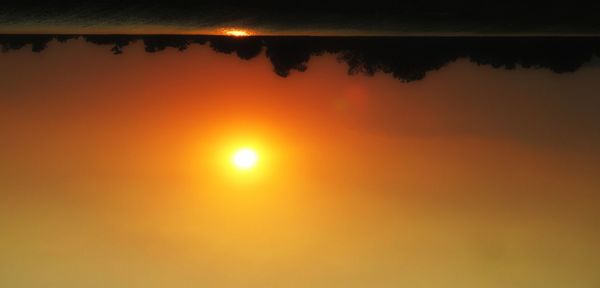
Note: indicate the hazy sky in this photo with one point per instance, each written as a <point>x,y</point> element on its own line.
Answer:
<point>115,172</point>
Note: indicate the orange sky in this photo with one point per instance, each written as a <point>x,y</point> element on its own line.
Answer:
<point>115,172</point>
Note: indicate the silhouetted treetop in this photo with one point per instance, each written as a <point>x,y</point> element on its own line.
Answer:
<point>405,58</point>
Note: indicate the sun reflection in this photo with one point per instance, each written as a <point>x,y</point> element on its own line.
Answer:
<point>235,32</point>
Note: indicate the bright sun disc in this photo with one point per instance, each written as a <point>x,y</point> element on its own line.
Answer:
<point>245,158</point>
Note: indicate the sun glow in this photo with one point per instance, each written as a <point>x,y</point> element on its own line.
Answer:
<point>245,158</point>
<point>236,32</point>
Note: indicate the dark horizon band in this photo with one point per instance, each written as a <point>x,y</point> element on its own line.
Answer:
<point>433,17</point>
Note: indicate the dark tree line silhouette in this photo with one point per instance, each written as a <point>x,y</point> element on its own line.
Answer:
<point>405,58</point>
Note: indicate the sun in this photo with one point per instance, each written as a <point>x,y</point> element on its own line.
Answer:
<point>245,158</point>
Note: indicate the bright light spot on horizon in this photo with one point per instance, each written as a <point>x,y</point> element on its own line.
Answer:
<point>245,158</point>
<point>236,32</point>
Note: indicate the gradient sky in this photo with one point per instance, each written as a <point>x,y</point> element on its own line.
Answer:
<point>115,172</point>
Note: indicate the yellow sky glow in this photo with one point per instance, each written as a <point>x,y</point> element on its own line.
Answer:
<point>123,173</point>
